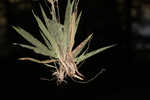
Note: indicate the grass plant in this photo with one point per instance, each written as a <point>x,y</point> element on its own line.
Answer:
<point>59,41</point>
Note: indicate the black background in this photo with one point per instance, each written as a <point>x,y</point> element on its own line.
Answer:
<point>124,77</point>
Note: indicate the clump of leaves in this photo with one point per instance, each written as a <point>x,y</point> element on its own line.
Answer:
<point>59,39</point>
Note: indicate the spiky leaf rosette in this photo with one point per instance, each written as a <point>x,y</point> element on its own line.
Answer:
<point>59,42</point>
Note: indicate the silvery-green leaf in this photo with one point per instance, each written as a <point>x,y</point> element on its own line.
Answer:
<point>80,47</point>
<point>36,50</point>
<point>67,20</point>
<point>84,57</point>
<point>48,35</point>
<point>44,16</point>
<point>77,22</point>
<point>27,36</point>
<point>46,40</point>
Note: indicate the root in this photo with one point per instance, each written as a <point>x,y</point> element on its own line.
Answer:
<point>38,61</point>
<point>90,80</point>
<point>67,68</point>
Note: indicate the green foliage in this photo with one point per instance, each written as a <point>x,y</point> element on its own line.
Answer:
<point>59,38</point>
<point>36,50</point>
<point>78,50</point>
<point>92,53</point>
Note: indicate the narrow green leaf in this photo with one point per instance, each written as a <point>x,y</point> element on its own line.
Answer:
<point>36,50</point>
<point>47,34</point>
<point>30,38</point>
<point>77,21</point>
<point>46,40</point>
<point>53,12</point>
<point>56,30</point>
<point>44,16</point>
<point>67,20</point>
<point>53,27</point>
<point>83,57</point>
<point>80,47</point>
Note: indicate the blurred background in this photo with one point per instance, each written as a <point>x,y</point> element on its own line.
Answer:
<point>122,22</point>
<point>140,12</point>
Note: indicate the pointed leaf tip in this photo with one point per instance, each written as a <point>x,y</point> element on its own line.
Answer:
<point>92,53</point>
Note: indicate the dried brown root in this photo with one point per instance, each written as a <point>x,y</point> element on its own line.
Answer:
<point>67,67</point>
<point>38,61</point>
<point>93,78</point>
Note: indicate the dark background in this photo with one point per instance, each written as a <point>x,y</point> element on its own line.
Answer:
<point>127,68</point>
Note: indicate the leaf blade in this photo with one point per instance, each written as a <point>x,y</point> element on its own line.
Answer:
<point>80,47</point>
<point>77,22</point>
<point>47,34</point>
<point>27,36</point>
<point>44,16</point>
<point>67,21</point>
<point>92,53</point>
<point>36,50</point>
